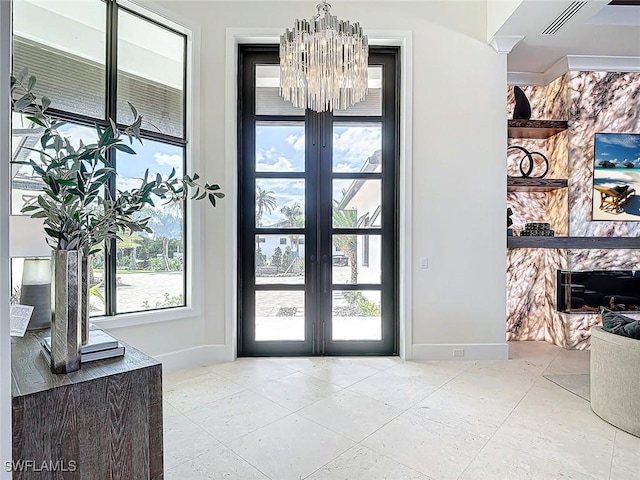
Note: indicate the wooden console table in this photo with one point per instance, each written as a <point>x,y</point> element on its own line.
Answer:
<point>101,422</point>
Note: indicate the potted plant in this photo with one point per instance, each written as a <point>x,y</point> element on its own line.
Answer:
<point>80,214</point>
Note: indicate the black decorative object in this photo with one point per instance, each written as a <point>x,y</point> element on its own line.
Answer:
<point>509,222</point>
<point>530,166</point>
<point>522,110</point>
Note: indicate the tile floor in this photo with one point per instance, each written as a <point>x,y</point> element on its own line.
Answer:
<point>381,418</point>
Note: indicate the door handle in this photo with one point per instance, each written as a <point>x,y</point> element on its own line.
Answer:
<point>325,274</point>
<point>313,337</point>
<point>314,272</point>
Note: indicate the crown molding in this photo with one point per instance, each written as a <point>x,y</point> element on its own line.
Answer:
<point>595,63</point>
<point>505,43</point>
<point>578,63</point>
<point>525,78</point>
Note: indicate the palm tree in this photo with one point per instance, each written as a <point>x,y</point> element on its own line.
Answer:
<point>265,202</point>
<point>346,243</point>
<point>293,214</point>
<point>130,241</point>
<point>167,225</point>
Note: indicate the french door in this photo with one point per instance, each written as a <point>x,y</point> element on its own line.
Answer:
<point>317,228</point>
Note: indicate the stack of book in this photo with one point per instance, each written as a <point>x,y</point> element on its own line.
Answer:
<point>537,230</point>
<point>101,345</point>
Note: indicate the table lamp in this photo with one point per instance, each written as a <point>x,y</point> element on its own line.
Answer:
<point>27,241</point>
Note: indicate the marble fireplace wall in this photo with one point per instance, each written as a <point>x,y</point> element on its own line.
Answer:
<point>592,102</point>
<point>599,102</point>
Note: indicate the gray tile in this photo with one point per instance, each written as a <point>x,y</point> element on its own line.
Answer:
<point>434,449</point>
<point>296,391</point>
<point>350,414</point>
<point>218,462</point>
<point>497,462</point>
<point>291,448</point>
<point>237,415</point>
<point>400,391</point>
<point>198,391</point>
<point>184,440</point>
<point>626,457</point>
<point>361,463</point>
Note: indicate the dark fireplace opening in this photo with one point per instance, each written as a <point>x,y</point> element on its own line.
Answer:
<point>587,291</point>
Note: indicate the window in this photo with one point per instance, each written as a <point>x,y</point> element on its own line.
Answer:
<point>95,58</point>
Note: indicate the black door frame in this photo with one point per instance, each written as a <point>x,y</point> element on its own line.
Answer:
<point>318,228</point>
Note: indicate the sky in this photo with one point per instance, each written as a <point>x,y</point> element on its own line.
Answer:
<point>617,148</point>
<point>157,157</point>
<point>281,148</point>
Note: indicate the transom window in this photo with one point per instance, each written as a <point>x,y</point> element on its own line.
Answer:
<point>93,59</point>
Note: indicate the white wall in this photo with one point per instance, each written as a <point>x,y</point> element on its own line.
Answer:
<point>459,177</point>
<point>458,181</point>
<point>5,154</point>
<point>498,12</point>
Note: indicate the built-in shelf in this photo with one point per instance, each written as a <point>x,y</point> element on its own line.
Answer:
<point>517,184</point>
<point>607,243</point>
<point>535,128</point>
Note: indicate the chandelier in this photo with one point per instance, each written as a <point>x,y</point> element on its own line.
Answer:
<point>323,62</point>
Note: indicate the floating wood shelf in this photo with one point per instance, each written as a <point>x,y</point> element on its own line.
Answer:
<point>535,128</point>
<point>607,243</point>
<point>517,184</point>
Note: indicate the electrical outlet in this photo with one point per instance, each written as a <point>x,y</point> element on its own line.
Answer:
<point>458,352</point>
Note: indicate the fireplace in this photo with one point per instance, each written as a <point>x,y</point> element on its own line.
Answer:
<point>587,291</point>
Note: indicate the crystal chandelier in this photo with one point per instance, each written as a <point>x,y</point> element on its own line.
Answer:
<point>323,62</point>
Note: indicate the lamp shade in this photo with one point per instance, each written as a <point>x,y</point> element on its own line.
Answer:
<point>27,237</point>
<point>36,291</point>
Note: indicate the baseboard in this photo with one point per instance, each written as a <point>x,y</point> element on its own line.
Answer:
<point>195,357</point>
<point>471,351</point>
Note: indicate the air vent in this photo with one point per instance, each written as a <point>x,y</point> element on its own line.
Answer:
<point>563,18</point>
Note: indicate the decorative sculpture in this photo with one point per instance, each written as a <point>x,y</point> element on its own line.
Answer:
<point>522,110</point>
<point>529,156</point>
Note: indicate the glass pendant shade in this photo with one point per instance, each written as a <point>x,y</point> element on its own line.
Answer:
<point>324,62</point>
<point>36,291</point>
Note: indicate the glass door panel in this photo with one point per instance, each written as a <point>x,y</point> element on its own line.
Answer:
<point>280,147</point>
<point>280,259</point>
<point>280,202</point>
<point>279,316</point>
<point>357,147</point>
<point>356,259</point>
<point>357,203</point>
<point>355,315</point>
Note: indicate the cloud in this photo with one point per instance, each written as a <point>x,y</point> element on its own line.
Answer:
<point>128,183</point>
<point>270,161</point>
<point>78,132</point>
<point>296,141</point>
<point>354,146</point>
<point>174,161</point>
<point>621,140</point>
<point>605,154</point>
<point>342,167</point>
<point>279,164</point>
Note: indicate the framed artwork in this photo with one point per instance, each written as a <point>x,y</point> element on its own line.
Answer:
<point>616,177</point>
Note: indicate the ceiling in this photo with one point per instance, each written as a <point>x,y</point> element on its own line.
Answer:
<point>596,29</point>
